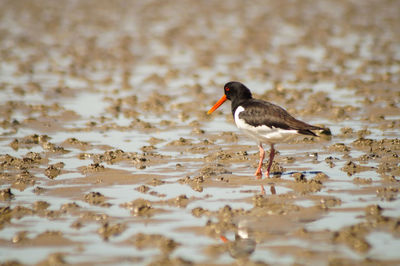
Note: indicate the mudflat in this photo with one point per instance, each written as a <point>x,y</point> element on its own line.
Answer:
<point>107,155</point>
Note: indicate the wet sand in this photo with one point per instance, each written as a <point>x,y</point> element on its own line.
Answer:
<point>107,156</point>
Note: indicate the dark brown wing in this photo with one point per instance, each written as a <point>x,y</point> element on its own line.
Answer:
<point>258,113</point>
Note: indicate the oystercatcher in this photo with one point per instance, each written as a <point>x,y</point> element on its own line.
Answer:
<point>261,120</point>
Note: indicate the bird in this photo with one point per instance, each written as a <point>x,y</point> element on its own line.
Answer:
<point>263,121</point>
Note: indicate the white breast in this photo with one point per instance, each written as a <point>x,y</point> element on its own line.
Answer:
<point>264,134</point>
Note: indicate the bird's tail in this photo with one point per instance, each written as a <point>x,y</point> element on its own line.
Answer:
<point>308,130</point>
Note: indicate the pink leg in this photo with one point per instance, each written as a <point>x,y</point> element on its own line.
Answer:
<point>271,159</point>
<point>258,172</point>
<point>273,190</point>
<point>262,190</point>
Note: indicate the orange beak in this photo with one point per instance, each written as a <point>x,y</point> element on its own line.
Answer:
<point>224,239</point>
<point>218,104</point>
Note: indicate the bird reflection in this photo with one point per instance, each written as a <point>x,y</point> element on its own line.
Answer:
<point>244,245</point>
<point>271,189</point>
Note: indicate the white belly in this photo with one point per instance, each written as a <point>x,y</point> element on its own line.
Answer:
<point>264,134</point>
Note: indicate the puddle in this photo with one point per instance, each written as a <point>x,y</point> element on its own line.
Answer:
<point>86,104</point>
<point>384,243</point>
<point>335,221</point>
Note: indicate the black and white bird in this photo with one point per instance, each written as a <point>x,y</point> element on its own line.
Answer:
<point>263,121</point>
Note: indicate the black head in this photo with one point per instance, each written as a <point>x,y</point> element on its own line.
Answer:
<point>235,91</point>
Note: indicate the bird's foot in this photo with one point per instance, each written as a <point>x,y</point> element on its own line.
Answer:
<point>267,174</point>
<point>258,174</point>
